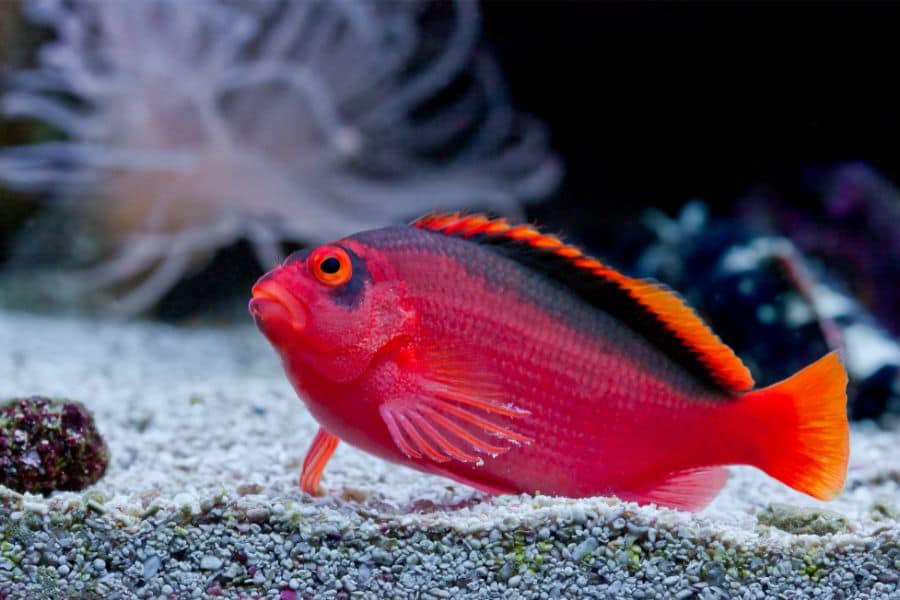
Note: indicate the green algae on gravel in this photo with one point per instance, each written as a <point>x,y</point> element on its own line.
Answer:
<point>518,547</point>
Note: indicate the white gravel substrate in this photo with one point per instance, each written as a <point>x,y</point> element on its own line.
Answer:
<point>207,438</point>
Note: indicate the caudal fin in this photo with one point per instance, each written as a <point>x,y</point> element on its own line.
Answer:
<point>804,438</point>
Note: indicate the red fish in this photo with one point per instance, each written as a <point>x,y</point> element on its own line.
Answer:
<point>505,359</point>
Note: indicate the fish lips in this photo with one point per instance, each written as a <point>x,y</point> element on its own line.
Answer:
<point>275,308</point>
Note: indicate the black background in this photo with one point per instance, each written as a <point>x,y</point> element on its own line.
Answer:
<point>654,104</point>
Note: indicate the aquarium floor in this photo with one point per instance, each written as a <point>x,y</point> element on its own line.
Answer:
<point>200,499</point>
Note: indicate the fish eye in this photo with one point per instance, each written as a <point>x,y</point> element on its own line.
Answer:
<point>331,265</point>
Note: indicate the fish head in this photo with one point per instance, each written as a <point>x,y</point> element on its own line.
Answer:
<point>331,309</point>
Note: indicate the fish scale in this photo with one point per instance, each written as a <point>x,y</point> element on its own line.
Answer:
<point>500,316</point>
<point>563,346</point>
<point>502,358</point>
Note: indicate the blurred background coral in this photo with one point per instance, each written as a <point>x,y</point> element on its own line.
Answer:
<point>184,127</point>
<point>158,156</point>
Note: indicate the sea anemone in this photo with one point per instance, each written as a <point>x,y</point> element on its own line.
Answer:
<point>189,125</point>
<point>48,445</point>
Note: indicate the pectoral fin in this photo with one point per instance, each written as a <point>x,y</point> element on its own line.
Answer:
<point>321,449</point>
<point>455,413</point>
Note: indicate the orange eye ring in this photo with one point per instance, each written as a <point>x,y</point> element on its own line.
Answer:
<point>331,265</point>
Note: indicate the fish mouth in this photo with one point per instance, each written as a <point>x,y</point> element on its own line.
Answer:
<point>273,303</point>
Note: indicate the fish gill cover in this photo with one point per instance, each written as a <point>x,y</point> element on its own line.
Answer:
<point>185,126</point>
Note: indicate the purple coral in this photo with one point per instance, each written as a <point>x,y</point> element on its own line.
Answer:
<point>48,445</point>
<point>199,123</point>
<point>851,225</point>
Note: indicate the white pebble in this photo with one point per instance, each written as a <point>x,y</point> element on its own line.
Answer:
<point>35,507</point>
<point>210,563</point>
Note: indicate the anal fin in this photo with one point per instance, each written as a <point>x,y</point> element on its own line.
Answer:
<point>685,490</point>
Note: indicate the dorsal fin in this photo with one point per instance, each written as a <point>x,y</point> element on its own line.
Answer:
<point>647,307</point>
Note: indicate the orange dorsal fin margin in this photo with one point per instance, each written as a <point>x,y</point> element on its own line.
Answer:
<point>649,308</point>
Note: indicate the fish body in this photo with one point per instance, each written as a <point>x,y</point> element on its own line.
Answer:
<point>507,360</point>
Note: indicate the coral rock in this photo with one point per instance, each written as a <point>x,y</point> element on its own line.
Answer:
<point>48,445</point>
<point>801,519</point>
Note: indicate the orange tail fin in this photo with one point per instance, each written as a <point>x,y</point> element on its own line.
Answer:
<point>804,438</point>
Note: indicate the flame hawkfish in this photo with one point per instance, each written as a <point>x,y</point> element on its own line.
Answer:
<point>503,358</point>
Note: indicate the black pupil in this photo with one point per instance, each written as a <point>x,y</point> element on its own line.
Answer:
<point>330,265</point>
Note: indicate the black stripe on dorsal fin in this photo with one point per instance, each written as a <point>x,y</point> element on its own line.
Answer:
<point>647,307</point>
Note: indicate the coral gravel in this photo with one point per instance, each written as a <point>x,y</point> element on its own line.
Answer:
<point>200,499</point>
